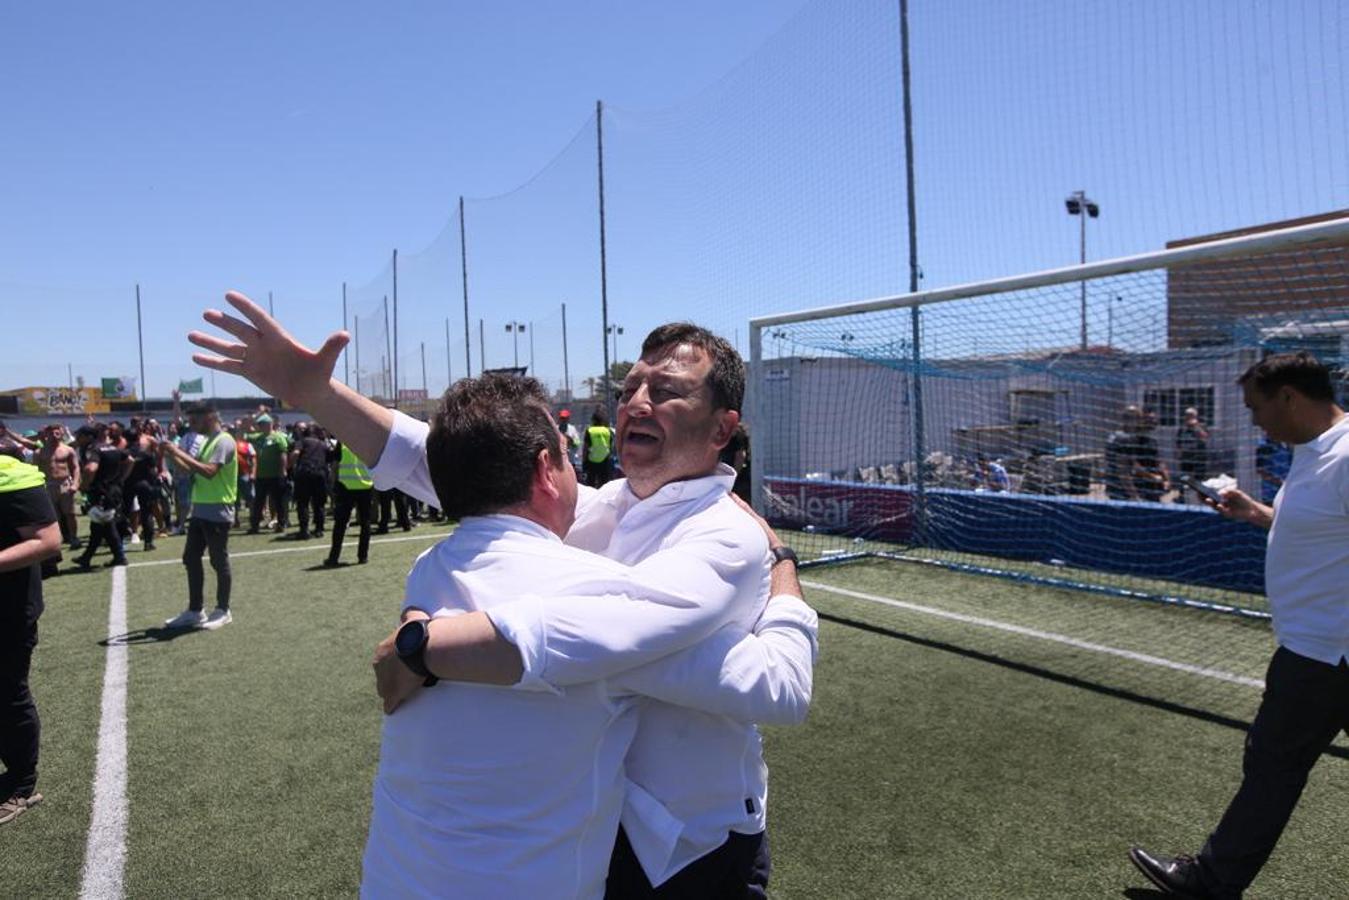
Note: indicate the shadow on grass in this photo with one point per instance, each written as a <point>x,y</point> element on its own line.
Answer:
<point>325,568</point>
<point>148,636</point>
<point>1142,893</point>
<point>1192,712</point>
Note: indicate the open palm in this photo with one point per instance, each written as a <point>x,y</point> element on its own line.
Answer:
<point>266,354</point>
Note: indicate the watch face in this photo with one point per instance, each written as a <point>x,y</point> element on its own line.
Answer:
<point>410,637</point>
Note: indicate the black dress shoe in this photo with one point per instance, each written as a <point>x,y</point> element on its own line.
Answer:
<point>330,563</point>
<point>1177,876</point>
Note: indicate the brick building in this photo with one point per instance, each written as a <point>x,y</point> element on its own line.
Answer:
<point>1284,300</point>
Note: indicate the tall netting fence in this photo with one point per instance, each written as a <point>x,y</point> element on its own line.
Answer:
<point>1043,427</point>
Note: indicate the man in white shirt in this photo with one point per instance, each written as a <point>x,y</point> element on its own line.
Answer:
<point>460,809</point>
<point>694,812</point>
<point>1306,701</point>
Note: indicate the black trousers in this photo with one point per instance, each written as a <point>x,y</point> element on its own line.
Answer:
<point>597,474</point>
<point>400,504</point>
<point>737,870</point>
<point>344,501</point>
<point>1306,704</point>
<point>264,488</point>
<point>201,537</point>
<point>20,728</point>
<point>311,495</point>
<point>146,496</point>
<point>100,532</point>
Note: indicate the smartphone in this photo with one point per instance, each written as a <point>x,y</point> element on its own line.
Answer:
<point>1201,489</point>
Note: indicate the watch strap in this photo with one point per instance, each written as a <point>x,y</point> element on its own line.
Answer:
<point>783,553</point>
<point>416,660</point>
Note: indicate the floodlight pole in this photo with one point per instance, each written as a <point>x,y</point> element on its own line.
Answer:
<point>357,323</point>
<point>1080,205</point>
<point>393,360</point>
<point>604,279</point>
<point>515,328</point>
<point>426,391</point>
<point>482,352</point>
<point>346,360</point>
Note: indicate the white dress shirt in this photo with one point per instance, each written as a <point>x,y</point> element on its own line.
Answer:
<point>495,792</point>
<point>693,776</point>
<point>1307,560</point>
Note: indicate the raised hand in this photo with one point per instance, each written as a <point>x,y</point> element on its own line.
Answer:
<point>266,354</point>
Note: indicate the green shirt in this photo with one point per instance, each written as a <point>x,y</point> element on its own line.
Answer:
<point>270,448</point>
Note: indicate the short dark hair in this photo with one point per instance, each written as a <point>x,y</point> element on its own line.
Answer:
<point>727,377</point>
<point>1300,371</point>
<point>200,409</point>
<point>484,440</point>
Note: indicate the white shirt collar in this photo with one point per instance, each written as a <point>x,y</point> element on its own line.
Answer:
<point>683,491</point>
<point>502,523</point>
<point>1322,441</point>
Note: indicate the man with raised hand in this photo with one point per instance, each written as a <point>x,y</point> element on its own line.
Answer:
<point>694,814</point>
<point>463,811</point>
<point>1306,701</point>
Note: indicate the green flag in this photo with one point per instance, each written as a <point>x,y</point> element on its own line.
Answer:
<point>116,388</point>
<point>190,387</point>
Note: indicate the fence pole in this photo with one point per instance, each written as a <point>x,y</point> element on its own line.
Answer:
<point>916,408</point>
<point>604,276</point>
<point>463,269</point>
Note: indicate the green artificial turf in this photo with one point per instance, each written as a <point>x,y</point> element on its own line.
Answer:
<point>942,758</point>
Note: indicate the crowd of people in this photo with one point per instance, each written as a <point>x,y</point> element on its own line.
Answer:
<point>133,481</point>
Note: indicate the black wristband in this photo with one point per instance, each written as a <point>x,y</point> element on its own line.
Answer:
<point>783,553</point>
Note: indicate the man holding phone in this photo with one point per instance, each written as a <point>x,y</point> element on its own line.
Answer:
<point>1306,702</point>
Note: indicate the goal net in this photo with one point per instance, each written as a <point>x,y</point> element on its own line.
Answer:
<point>1041,426</point>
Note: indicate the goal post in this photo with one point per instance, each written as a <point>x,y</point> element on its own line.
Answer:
<point>1059,411</point>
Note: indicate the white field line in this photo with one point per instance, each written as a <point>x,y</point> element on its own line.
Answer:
<point>105,851</point>
<point>1144,658</point>
<point>311,547</point>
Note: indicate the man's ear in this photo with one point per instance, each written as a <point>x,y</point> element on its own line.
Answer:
<point>546,475</point>
<point>727,420</point>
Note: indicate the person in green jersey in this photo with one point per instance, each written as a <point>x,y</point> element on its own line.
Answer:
<point>271,447</point>
<point>215,483</point>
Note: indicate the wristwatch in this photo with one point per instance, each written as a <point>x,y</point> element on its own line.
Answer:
<point>784,553</point>
<point>410,644</point>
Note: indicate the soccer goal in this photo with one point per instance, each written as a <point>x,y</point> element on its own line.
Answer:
<point>1038,427</point>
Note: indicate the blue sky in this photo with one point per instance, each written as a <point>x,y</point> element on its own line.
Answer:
<point>753,158</point>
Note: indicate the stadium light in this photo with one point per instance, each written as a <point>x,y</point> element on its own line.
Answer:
<point>1082,206</point>
<point>615,330</point>
<point>515,328</point>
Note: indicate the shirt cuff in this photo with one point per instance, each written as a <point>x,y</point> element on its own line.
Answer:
<point>790,610</point>
<point>403,452</point>
<point>522,624</point>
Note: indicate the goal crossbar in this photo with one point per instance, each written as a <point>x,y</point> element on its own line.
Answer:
<point>1299,237</point>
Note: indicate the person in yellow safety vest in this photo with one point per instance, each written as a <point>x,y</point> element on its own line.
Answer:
<point>597,452</point>
<point>29,534</point>
<point>354,490</point>
<point>215,486</point>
